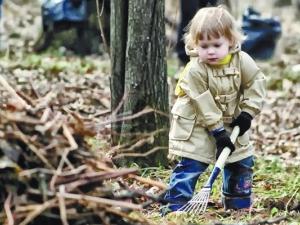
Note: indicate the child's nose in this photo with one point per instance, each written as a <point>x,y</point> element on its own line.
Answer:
<point>210,51</point>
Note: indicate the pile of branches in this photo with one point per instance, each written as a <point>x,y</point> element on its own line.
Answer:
<point>48,174</point>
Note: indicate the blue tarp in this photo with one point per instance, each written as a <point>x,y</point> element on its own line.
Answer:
<point>261,34</point>
<point>63,10</point>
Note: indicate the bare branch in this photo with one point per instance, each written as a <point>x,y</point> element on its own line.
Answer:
<point>101,27</point>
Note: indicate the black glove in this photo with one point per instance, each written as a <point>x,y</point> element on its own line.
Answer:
<point>243,121</point>
<point>222,141</point>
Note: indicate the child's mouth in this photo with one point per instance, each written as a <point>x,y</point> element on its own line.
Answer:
<point>212,59</point>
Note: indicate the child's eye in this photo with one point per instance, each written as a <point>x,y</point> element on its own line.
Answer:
<point>204,46</point>
<point>217,45</point>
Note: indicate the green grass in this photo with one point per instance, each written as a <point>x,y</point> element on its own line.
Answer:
<point>276,190</point>
<point>56,61</point>
<point>172,67</point>
<point>277,75</point>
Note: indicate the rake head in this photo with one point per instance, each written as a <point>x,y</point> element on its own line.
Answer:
<point>198,203</point>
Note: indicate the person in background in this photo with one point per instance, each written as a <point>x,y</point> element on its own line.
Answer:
<point>220,88</point>
<point>79,15</point>
<point>187,11</point>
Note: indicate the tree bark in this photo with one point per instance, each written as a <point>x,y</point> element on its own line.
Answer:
<point>118,39</point>
<point>145,78</point>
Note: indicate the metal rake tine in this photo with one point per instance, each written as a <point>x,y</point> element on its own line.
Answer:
<point>194,199</point>
<point>198,203</point>
<point>195,202</point>
<point>205,202</point>
<point>203,197</point>
<point>200,195</point>
<point>184,207</point>
<point>202,203</point>
<point>196,208</point>
<point>188,206</point>
<point>193,205</point>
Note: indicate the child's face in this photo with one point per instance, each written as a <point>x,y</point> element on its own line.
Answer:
<point>212,50</point>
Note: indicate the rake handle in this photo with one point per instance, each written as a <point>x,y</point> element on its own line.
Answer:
<point>222,158</point>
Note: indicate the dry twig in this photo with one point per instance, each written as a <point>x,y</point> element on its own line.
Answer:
<point>14,93</point>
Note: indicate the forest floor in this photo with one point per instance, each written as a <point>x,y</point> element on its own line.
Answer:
<point>276,132</point>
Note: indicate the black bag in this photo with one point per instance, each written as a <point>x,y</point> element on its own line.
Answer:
<point>261,34</point>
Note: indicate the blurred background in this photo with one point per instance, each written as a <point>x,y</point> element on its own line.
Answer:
<point>23,26</point>
<point>58,61</point>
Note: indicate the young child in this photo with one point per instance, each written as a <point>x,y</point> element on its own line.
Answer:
<point>221,87</point>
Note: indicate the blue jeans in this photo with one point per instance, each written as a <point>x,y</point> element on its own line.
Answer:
<point>237,183</point>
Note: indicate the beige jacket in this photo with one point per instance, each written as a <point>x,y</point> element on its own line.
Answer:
<point>214,96</point>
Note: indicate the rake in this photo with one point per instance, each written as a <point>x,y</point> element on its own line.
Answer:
<point>199,201</point>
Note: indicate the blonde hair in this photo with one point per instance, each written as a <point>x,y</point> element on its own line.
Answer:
<point>212,22</point>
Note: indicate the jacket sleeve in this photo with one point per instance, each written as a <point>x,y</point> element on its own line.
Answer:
<point>195,85</point>
<point>253,86</point>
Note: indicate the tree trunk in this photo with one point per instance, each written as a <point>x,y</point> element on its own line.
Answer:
<point>145,80</point>
<point>118,39</point>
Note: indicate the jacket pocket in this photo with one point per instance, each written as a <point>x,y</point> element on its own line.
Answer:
<point>181,128</point>
<point>183,121</point>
